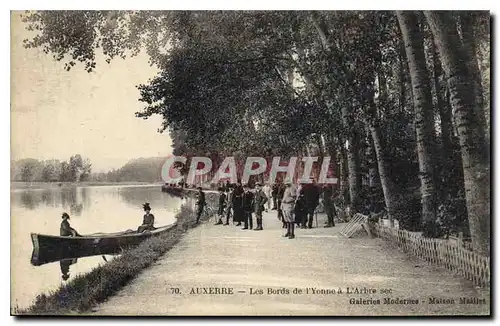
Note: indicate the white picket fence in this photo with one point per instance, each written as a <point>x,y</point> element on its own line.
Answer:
<point>454,256</point>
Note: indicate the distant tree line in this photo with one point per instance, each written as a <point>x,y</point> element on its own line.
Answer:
<point>137,170</point>
<point>75,169</point>
<point>80,169</point>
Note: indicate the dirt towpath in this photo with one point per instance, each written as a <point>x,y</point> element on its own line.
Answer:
<point>320,272</point>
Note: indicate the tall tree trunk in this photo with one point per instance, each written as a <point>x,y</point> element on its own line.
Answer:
<point>467,24</point>
<point>484,59</point>
<point>330,149</point>
<point>422,101</point>
<point>403,69</point>
<point>475,157</point>
<point>319,141</point>
<point>343,183</point>
<point>354,164</point>
<point>371,158</point>
<point>388,187</point>
<point>451,182</point>
<point>445,125</point>
<point>353,159</point>
<point>443,105</point>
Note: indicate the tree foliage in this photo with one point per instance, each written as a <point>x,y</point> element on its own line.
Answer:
<point>136,170</point>
<point>74,170</point>
<point>246,83</point>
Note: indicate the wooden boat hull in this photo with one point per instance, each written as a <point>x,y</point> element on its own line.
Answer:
<point>172,190</point>
<point>50,248</point>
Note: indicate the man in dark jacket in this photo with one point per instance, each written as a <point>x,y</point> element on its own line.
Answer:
<point>300,208</point>
<point>237,198</point>
<point>279,197</point>
<point>247,205</point>
<point>311,196</point>
<point>329,206</point>
<point>259,201</point>
<point>200,204</point>
<point>274,193</point>
<point>222,205</point>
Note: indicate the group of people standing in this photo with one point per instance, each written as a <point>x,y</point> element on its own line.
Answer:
<point>295,204</point>
<point>242,203</point>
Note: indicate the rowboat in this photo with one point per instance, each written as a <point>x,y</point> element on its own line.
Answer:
<point>50,248</point>
<point>176,191</point>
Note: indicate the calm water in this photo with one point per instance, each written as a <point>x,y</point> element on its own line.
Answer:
<point>92,209</point>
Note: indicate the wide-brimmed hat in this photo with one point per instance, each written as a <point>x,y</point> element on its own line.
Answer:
<point>146,206</point>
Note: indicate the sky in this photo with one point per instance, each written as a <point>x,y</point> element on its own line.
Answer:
<point>56,113</point>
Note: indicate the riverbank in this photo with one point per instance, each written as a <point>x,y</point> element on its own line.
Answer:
<point>85,291</point>
<point>218,270</point>
<point>15,185</point>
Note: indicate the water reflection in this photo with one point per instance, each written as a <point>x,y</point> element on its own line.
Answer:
<point>74,199</point>
<point>65,264</point>
<point>47,198</point>
<point>95,210</point>
<point>136,197</point>
<point>28,200</point>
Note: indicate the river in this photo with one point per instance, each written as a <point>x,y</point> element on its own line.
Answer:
<point>92,209</point>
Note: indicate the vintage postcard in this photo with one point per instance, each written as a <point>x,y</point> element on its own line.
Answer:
<point>250,163</point>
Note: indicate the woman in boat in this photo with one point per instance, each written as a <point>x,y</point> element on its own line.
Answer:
<point>66,230</point>
<point>148,220</point>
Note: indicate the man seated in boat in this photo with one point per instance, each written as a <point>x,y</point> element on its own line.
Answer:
<point>148,220</point>
<point>66,230</point>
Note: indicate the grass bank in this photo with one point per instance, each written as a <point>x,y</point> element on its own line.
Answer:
<point>86,291</point>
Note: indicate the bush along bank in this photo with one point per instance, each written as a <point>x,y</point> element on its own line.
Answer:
<point>84,292</point>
